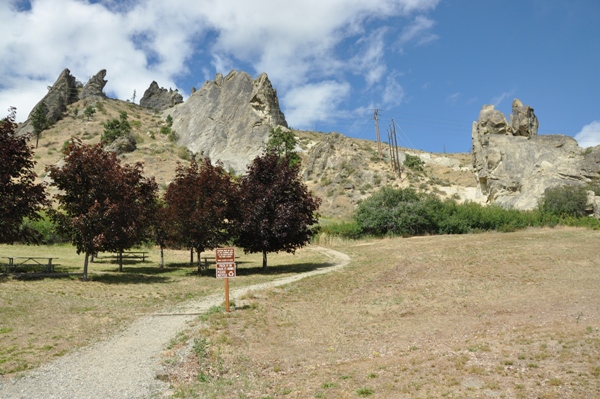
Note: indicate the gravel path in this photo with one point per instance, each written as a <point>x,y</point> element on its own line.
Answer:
<point>125,365</point>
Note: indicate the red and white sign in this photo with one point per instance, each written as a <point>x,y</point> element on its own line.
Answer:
<point>226,270</point>
<point>225,255</point>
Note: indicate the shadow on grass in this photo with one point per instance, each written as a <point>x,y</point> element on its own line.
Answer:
<point>271,270</point>
<point>128,278</point>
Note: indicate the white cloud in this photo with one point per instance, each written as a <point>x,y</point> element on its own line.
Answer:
<point>393,93</point>
<point>138,41</point>
<point>314,102</point>
<point>589,136</point>
<point>496,101</point>
<point>453,98</point>
<point>418,31</point>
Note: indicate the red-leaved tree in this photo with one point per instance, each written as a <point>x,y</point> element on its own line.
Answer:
<point>20,196</point>
<point>198,207</point>
<point>103,205</point>
<point>276,210</point>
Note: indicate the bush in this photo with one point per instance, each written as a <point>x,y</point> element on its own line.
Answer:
<point>414,162</point>
<point>564,201</point>
<point>41,231</point>
<point>344,229</point>
<point>115,128</point>
<point>397,212</point>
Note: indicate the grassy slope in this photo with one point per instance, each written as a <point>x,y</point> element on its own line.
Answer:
<point>512,315</point>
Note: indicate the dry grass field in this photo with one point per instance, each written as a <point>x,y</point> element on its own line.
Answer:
<point>45,317</point>
<point>493,315</point>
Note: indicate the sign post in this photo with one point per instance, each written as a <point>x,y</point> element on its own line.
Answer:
<point>226,268</point>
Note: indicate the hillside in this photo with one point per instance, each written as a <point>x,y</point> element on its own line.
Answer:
<point>338,169</point>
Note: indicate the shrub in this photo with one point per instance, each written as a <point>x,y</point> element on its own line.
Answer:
<point>564,201</point>
<point>344,229</point>
<point>115,128</point>
<point>414,162</point>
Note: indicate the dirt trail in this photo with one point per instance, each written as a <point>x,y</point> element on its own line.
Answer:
<point>125,365</point>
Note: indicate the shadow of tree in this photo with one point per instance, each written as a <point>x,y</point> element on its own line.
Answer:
<point>128,278</point>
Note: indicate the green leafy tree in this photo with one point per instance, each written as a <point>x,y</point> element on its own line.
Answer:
<point>115,128</point>
<point>276,212</point>
<point>283,143</point>
<point>398,212</point>
<point>198,207</point>
<point>564,201</point>
<point>89,112</point>
<point>102,205</point>
<point>39,121</point>
<point>20,196</point>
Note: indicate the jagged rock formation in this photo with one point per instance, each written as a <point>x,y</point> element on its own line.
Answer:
<point>95,86</point>
<point>159,98</point>
<point>514,165</point>
<point>229,119</point>
<point>62,93</point>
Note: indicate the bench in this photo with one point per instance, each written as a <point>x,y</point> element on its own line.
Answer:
<point>29,262</point>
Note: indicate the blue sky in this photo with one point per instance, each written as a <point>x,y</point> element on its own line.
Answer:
<point>428,64</point>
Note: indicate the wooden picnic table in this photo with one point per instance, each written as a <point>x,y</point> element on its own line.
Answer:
<point>28,261</point>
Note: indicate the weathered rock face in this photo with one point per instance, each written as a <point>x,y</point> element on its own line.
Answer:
<point>62,93</point>
<point>122,145</point>
<point>159,98</point>
<point>229,119</point>
<point>95,86</point>
<point>514,165</point>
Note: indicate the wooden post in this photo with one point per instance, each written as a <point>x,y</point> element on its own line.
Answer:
<point>227,295</point>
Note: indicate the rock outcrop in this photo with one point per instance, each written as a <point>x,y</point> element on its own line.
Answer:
<point>229,119</point>
<point>62,93</point>
<point>159,98</point>
<point>95,86</point>
<point>514,165</point>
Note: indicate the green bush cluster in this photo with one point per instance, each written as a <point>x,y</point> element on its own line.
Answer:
<point>115,128</point>
<point>564,201</point>
<point>406,212</point>
<point>414,162</point>
<point>41,231</point>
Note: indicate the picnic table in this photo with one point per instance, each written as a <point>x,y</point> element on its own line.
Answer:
<point>28,261</point>
<point>126,255</point>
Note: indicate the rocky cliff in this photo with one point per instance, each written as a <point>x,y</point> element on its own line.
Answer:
<point>514,165</point>
<point>229,119</point>
<point>159,98</point>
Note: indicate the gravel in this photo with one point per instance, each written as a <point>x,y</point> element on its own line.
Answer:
<point>126,364</point>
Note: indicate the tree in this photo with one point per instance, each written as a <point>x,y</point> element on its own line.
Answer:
<point>89,112</point>
<point>283,144</point>
<point>276,211</point>
<point>115,128</point>
<point>20,196</point>
<point>103,206</point>
<point>198,206</point>
<point>568,200</point>
<point>39,121</point>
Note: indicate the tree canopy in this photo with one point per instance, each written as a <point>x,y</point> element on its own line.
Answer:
<point>103,205</point>
<point>20,197</point>
<point>198,206</point>
<point>276,212</point>
<point>39,121</point>
<point>115,128</point>
<point>283,143</point>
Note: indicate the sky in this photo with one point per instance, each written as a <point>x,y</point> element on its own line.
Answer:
<point>428,65</point>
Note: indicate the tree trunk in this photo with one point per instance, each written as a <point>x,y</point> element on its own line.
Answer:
<point>120,261</point>
<point>264,260</point>
<point>199,261</point>
<point>85,266</point>
<point>162,257</point>
<point>192,256</point>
